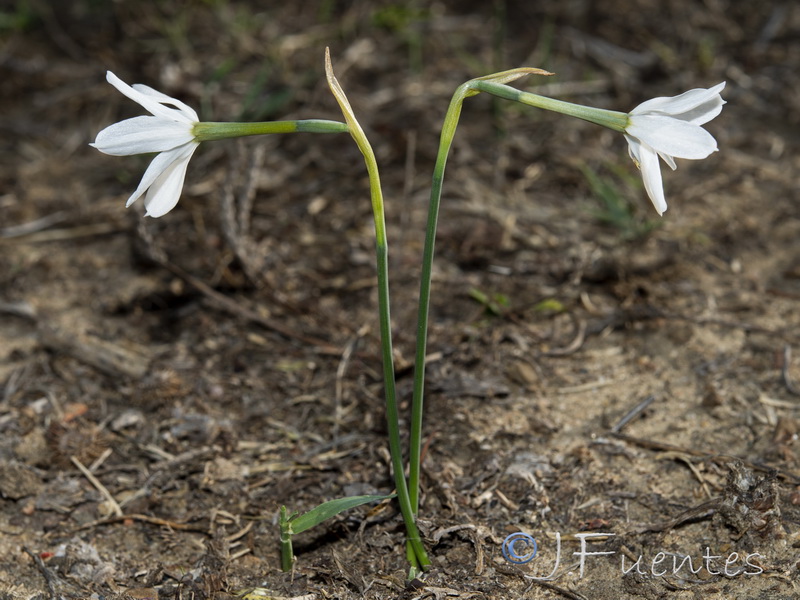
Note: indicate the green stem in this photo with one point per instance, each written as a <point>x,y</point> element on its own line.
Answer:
<point>207,131</point>
<point>612,119</point>
<point>392,413</point>
<point>415,551</point>
<point>445,141</point>
<point>287,553</point>
<point>491,84</point>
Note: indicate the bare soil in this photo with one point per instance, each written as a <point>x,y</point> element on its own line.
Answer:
<point>168,384</point>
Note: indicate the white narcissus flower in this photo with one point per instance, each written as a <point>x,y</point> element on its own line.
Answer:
<point>665,127</point>
<point>671,128</point>
<point>169,131</point>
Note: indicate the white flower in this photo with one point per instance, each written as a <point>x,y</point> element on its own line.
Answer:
<point>169,131</point>
<point>671,128</point>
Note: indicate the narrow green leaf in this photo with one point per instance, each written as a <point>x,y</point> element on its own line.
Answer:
<point>549,305</point>
<point>329,509</point>
<point>494,305</point>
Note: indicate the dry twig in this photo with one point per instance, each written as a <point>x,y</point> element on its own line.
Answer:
<point>49,577</point>
<point>633,413</point>
<point>145,519</point>
<point>98,486</point>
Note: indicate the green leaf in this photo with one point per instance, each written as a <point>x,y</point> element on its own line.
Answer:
<point>329,509</point>
<point>616,210</point>
<point>494,305</point>
<point>549,305</point>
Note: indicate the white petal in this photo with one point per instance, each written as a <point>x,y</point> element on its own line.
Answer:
<point>634,146</point>
<point>705,112</point>
<point>689,106</point>
<point>164,99</point>
<point>140,135</point>
<point>669,160</point>
<point>700,114</point>
<point>647,161</point>
<point>151,104</point>
<point>671,136</point>
<point>159,165</point>
<point>164,194</point>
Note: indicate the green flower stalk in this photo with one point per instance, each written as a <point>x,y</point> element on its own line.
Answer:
<point>617,121</point>
<point>465,90</point>
<point>415,550</point>
<point>207,131</point>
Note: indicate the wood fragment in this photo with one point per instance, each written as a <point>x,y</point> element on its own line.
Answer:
<point>633,413</point>
<point>33,226</point>
<point>110,358</point>
<point>113,359</point>
<point>240,553</point>
<point>241,533</point>
<point>98,486</point>
<point>701,511</point>
<point>145,519</point>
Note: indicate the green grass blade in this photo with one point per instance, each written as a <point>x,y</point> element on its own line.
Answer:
<point>329,509</point>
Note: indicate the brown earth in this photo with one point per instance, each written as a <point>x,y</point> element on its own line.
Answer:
<point>202,372</point>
